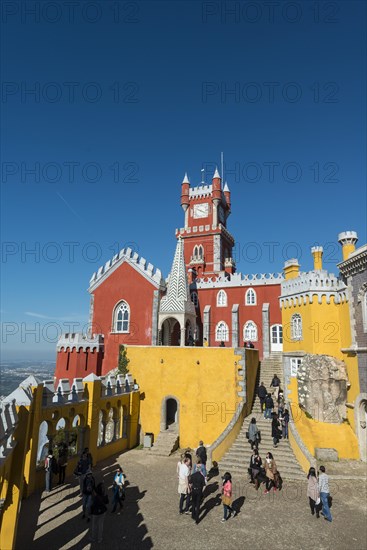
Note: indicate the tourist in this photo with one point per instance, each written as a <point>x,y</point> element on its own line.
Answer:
<point>285,422</point>
<point>255,467</point>
<point>324,493</point>
<point>189,456</point>
<point>183,485</point>
<point>275,431</point>
<point>205,343</point>
<point>197,484</point>
<point>270,472</point>
<point>49,469</point>
<point>182,458</point>
<point>201,453</point>
<point>200,467</point>
<point>227,497</point>
<point>89,457</point>
<point>275,383</point>
<point>222,344</point>
<point>248,345</point>
<point>269,406</point>
<point>88,489</point>
<point>313,492</point>
<point>62,462</point>
<point>253,433</point>
<point>262,393</point>
<point>98,512</point>
<point>81,470</point>
<point>118,489</point>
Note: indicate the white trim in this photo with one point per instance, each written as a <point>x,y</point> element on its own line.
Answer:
<point>115,320</point>
<point>253,335</point>
<point>222,300</point>
<point>225,328</point>
<point>250,297</point>
<point>296,327</point>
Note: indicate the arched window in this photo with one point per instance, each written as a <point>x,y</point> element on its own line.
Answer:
<point>250,297</point>
<point>195,299</point>
<point>296,327</point>
<point>250,332</point>
<point>221,332</point>
<point>221,298</point>
<point>200,252</point>
<point>195,253</point>
<point>121,317</point>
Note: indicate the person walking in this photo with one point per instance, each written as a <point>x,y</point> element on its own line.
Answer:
<point>88,490</point>
<point>118,489</point>
<point>98,512</point>
<point>81,470</point>
<point>49,470</point>
<point>270,472</point>
<point>183,485</point>
<point>285,422</point>
<point>269,406</point>
<point>62,462</point>
<point>313,492</point>
<point>227,497</point>
<point>197,484</point>
<point>275,431</point>
<point>255,467</point>
<point>201,453</point>
<point>262,393</point>
<point>253,433</point>
<point>324,493</point>
<point>275,383</point>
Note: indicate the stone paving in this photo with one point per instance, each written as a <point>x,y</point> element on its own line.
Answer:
<point>151,520</point>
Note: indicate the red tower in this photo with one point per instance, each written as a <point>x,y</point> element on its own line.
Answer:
<point>208,243</point>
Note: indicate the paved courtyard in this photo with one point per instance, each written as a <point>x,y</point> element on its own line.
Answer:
<point>151,520</point>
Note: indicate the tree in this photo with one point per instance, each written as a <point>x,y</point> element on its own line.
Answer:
<point>123,361</point>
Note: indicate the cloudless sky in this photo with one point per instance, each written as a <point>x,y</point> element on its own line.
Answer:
<point>128,96</point>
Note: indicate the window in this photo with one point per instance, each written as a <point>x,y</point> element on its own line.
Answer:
<point>277,334</point>
<point>200,253</point>
<point>364,311</point>
<point>221,332</point>
<point>121,317</point>
<point>195,299</point>
<point>250,332</point>
<point>221,299</point>
<point>295,364</point>
<point>250,298</point>
<point>296,327</point>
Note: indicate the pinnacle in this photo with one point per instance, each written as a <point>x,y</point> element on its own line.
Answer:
<point>216,173</point>
<point>186,179</point>
<point>226,188</point>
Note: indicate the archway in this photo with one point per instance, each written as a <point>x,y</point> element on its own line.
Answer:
<point>361,424</point>
<point>170,414</point>
<point>170,332</point>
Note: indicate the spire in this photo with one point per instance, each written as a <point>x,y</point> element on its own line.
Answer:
<point>226,188</point>
<point>177,299</point>
<point>216,173</point>
<point>186,179</point>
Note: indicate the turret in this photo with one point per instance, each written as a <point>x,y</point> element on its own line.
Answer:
<point>348,241</point>
<point>291,269</point>
<point>227,195</point>
<point>317,252</point>
<point>185,198</point>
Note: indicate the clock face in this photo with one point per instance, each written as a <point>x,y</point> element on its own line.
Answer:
<point>201,210</point>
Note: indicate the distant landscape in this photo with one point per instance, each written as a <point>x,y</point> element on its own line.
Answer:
<point>12,373</point>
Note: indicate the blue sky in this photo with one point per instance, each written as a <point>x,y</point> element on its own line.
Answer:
<point>124,102</point>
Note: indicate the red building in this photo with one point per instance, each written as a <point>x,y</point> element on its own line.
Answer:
<point>204,297</point>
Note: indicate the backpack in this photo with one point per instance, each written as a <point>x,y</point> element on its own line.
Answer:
<point>54,465</point>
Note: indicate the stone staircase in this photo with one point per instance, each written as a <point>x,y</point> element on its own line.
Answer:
<point>237,458</point>
<point>166,443</point>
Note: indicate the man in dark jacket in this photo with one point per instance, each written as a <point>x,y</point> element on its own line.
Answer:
<point>275,383</point>
<point>197,484</point>
<point>201,453</point>
<point>262,392</point>
<point>269,406</point>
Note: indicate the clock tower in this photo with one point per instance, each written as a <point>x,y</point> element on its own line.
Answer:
<point>208,243</point>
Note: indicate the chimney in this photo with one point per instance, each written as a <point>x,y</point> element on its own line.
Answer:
<point>317,252</point>
<point>348,241</point>
<point>291,269</point>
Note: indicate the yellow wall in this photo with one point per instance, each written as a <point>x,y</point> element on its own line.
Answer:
<point>207,392</point>
<point>322,434</point>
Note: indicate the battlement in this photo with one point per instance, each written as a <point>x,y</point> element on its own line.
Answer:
<point>313,283</point>
<point>148,270</point>
<point>200,191</point>
<point>238,279</point>
<point>80,341</point>
<point>8,424</point>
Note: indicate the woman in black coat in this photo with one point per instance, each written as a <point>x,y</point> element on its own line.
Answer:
<point>275,432</point>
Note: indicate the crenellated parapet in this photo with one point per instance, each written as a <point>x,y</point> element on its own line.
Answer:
<point>80,342</point>
<point>238,280</point>
<point>153,274</point>
<point>8,424</point>
<point>318,284</point>
<point>201,191</point>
